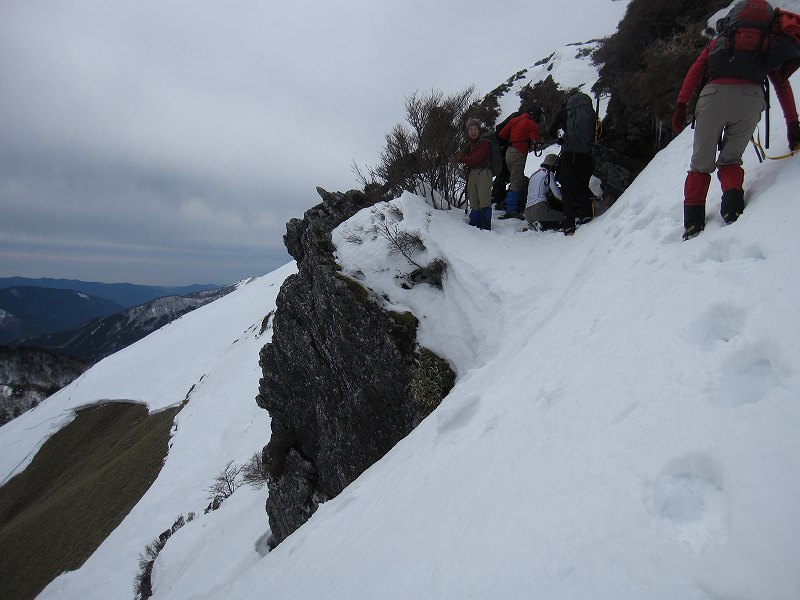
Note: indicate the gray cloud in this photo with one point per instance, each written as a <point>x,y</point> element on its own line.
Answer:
<point>170,142</point>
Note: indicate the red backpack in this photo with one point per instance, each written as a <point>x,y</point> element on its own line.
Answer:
<point>742,49</point>
<point>788,24</point>
<point>786,55</point>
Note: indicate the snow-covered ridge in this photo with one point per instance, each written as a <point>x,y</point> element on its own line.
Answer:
<point>624,424</point>
<point>570,67</point>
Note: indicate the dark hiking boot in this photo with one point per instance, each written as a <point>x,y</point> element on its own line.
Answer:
<point>694,219</point>
<point>732,205</point>
<point>692,231</point>
<point>569,231</point>
<point>549,226</point>
<point>730,217</point>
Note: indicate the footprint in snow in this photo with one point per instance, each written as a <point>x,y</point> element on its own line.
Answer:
<point>748,376</point>
<point>730,250</point>
<point>691,503</point>
<point>720,324</point>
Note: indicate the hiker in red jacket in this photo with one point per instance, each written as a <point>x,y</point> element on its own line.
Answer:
<point>729,107</point>
<point>521,132</point>
<point>479,177</point>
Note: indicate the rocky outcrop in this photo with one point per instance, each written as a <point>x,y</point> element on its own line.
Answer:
<point>343,379</point>
<point>616,172</point>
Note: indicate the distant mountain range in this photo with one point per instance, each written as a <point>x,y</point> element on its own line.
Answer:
<point>28,311</point>
<point>35,307</point>
<point>124,294</point>
<point>103,336</point>
<point>53,335</point>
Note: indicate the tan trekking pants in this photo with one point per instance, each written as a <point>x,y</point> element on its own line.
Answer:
<point>479,188</point>
<point>516,165</point>
<point>726,115</point>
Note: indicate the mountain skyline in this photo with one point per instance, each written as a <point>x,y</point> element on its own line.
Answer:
<point>169,144</point>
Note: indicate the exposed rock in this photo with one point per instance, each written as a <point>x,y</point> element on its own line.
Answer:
<point>338,374</point>
<point>432,274</point>
<point>616,172</point>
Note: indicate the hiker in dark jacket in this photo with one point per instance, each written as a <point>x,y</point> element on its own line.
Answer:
<point>521,133</point>
<point>728,110</point>
<point>479,177</point>
<point>501,181</point>
<point>577,120</point>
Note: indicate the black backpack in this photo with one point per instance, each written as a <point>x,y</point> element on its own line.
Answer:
<point>495,153</point>
<point>581,126</point>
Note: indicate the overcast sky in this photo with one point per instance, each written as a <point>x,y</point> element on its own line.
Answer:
<point>168,142</point>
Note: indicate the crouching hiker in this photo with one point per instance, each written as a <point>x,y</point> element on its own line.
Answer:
<point>544,196</point>
<point>479,178</point>
<point>736,62</point>
<point>522,133</point>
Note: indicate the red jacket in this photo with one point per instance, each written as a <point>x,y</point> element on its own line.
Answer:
<point>477,156</point>
<point>780,82</point>
<point>520,131</point>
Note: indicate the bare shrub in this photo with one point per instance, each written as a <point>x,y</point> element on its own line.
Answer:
<point>419,155</point>
<point>353,237</point>
<point>225,484</point>
<point>254,473</point>
<point>142,582</point>
<point>401,242</point>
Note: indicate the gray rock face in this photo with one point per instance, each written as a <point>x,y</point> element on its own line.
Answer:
<point>343,379</point>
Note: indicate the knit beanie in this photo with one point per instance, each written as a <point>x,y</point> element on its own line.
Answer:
<point>474,122</point>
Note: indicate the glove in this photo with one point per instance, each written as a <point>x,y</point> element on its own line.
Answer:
<point>793,135</point>
<point>679,118</point>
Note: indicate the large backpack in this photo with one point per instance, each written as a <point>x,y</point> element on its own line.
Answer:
<point>743,45</point>
<point>495,154</point>
<point>581,126</point>
<point>785,47</point>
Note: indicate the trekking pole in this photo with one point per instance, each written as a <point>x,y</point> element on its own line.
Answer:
<point>598,126</point>
<point>758,152</point>
<point>766,99</point>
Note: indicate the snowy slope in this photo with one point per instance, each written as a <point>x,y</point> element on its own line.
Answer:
<point>624,423</point>
<point>570,67</point>
<point>209,356</point>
